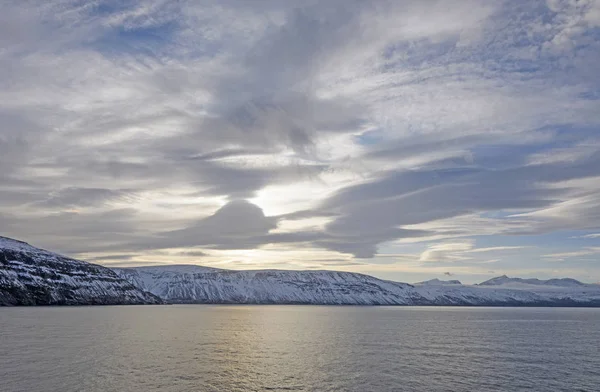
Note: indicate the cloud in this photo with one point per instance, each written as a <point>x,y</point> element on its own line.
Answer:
<point>574,19</point>
<point>110,258</point>
<point>193,253</point>
<point>85,197</point>
<point>236,225</point>
<point>578,254</point>
<point>69,231</point>
<point>377,208</point>
<point>443,252</point>
<point>357,129</point>
<point>496,249</point>
<point>595,235</point>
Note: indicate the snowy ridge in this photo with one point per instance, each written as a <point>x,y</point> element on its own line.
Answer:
<point>269,287</point>
<point>176,285</point>
<point>438,282</point>
<point>8,244</point>
<point>32,276</point>
<point>520,282</point>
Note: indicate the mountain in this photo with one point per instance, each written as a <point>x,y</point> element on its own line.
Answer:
<point>195,284</point>
<point>438,282</point>
<point>32,276</point>
<point>515,282</point>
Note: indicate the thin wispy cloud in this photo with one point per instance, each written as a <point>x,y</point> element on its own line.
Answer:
<point>305,134</point>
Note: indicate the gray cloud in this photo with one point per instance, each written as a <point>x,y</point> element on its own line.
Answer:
<point>231,152</point>
<point>374,211</point>
<point>236,225</point>
<point>193,253</point>
<point>85,197</point>
<point>110,258</point>
<point>75,232</point>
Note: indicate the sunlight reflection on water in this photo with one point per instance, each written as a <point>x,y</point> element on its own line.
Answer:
<point>298,348</point>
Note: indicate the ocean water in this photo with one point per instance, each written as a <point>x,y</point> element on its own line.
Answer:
<point>298,348</point>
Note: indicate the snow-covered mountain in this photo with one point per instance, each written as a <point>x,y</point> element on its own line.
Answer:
<point>182,284</point>
<point>194,284</point>
<point>438,282</point>
<point>32,276</point>
<point>517,282</point>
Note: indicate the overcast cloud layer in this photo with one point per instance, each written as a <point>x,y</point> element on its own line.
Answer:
<point>407,139</point>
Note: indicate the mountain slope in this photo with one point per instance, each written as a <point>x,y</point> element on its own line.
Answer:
<point>194,284</point>
<point>175,285</point>
<point>32,276</point>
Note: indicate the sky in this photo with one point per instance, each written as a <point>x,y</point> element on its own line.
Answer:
<point>409,139</point>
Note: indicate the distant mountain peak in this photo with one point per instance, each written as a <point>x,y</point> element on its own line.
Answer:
<point>503,280</point>
<point>497,280</point>
<point>436,281</point>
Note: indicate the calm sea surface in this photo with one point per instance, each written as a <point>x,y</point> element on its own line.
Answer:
<point>298,348</point>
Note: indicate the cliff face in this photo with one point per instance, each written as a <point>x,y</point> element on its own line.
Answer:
<point>32,276</point>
